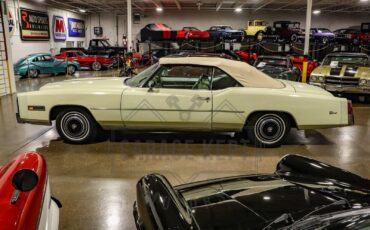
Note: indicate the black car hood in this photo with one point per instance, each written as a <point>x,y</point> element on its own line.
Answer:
<point>249,202</point>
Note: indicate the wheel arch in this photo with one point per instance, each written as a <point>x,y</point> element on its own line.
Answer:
<point>292,119</point>
<point>55,110</point>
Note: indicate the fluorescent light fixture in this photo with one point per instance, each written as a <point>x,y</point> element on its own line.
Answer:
<point>238,10</point>
<point>82,10</point>
<point>159,9</point>
<point>316,12</point>
<point>364,0</point>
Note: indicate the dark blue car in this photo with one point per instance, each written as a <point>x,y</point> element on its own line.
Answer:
<point>322,35</point>
<point>225,33</point>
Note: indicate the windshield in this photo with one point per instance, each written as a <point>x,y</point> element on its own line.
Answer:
<point>294,25</point>
<point>322,30</point>
<point>142,77</point>
<point>346,60</point>
<point>81,54</point>
<point>226,28</point>
<point>261,62</point>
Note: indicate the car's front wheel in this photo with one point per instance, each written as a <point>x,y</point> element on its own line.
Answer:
<point>71,69</point>
<point>96,66</point>
<point>268,130</point>
<point>76,126</point>
<point>34,73</point>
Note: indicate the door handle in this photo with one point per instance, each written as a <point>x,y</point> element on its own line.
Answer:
<point>204,98</point>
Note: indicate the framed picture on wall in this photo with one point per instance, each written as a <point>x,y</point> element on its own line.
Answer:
<point>76,27</point>
<point>34,25</point>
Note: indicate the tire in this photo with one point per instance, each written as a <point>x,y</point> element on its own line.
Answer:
<point>268,130</point>
<point>33,73</point>
<point>76,126</point>
<point>96,66</point>
<point>71,69</point>
<point>294,38</point>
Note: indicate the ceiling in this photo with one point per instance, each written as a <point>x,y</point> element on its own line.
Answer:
<point>119,6</point>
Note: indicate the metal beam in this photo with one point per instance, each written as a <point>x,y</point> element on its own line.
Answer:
<point>129,25</point>
<point>177,4</point>
<point>263,5</point>
<point>308,28</point>
<point>156,4</point>
<point>219,5</point>
<point>289,4</point>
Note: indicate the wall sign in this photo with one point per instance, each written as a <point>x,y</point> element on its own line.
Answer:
<point>11,23</point>
<point>59,28</point>
<point>98,31</point>
<point>76,28</point>
<point>34,25</point>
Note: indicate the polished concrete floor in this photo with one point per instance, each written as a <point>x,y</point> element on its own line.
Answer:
<point>96,182</point>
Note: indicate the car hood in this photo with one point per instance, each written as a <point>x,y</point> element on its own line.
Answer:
<point>242,202</point>
<point>304,88</point>
<point>86,83</point>
<point>345,70</point>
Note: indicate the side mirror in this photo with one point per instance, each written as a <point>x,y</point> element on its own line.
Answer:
<point>25,180</point>
<point>151,85</point>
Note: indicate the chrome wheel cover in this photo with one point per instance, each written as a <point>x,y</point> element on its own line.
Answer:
<point>269,128</point>
<point>75,126</point>
<point>96,66</point>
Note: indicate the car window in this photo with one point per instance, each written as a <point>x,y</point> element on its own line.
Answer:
<point>183,77</point>
<point>48,58</point>
<point>93,43</point>
<point>38,59</point>
<point>100,44</point>
<point>142,77</point>
<point>222,80</point>
<point>70,54</point>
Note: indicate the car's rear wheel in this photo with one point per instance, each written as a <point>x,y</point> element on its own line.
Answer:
<point>96,66</point>
<point>294,38</point>
<point>34,73</point>
<point>71,69</point>
<point>268,130</point>
<point>76,126</point>
<point>259,36</point>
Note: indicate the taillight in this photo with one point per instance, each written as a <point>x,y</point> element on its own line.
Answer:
<point>350,109</point>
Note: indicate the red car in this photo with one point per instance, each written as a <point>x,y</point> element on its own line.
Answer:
<point>298,62</point>
<point>189,33</point>
<point>246,56</point>
<point>364,36</point>
<point>86,61</point>
<point>25,200</point>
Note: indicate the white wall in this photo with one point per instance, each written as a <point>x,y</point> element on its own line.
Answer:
<point>22,48</point>
<point>204,19</point>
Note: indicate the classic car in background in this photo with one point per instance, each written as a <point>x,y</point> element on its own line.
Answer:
<point>322,35</point>
<point>98,46</point>
<point>191,33</point>
<point>87,61</point>
<point>343,73</point>
<point>278,67</point>
<point>347,36</point>
<point>301,194</point>
<point>288,30</point>
<point>25,200</point>
<point>256,28</point>
<point>225,33</point>
<point>157,32</point>
<point>185,93</point>
<point>298,61</point>
<point>364,36</point>
<point>43,63</point>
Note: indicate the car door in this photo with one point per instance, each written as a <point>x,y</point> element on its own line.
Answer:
<point>176,97</point>
<point>227,93</point>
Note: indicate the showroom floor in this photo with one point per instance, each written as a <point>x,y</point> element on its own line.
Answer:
<point>96,182</point>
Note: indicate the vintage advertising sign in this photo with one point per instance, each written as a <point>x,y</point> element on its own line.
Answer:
<point>76,28</point>
<point>34,25</point>
<point>59,28</point>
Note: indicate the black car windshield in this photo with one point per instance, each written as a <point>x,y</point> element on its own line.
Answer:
<point>226,27</point>
<point>294,25</point>
<point>105,43</point>
<point>346,60</point>
<point>261,62</point>
<point>142,77</point>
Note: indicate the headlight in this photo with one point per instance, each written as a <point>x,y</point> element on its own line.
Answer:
<point>321,79</point>
<point>363,82</point>
<point>313,78</point>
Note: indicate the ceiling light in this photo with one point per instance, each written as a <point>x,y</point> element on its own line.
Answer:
<point>316,12</point>
<point>364,0</point>
<point>238,10</point>
<point>82,10</point>
<point>159,9</point>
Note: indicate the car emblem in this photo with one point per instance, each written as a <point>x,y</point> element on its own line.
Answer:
<point>332,112</point>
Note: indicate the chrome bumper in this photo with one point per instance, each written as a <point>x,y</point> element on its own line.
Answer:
<point>344,89</point>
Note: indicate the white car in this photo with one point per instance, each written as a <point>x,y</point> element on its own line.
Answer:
<point>185,93</point>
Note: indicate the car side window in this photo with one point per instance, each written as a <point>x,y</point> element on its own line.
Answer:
<point>222,80</point>
<point>38,59</point>
<point>183,77</point>
<point>48,58</point>
<point>70,54</point>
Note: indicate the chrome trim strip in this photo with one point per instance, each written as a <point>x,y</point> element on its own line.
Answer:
<point>104,108</point>
<point>183,110</point>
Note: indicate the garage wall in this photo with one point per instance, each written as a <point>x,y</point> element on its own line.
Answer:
<point>204,19</point>
<point>22,48</point>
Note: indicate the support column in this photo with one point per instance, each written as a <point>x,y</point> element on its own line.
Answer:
<point>308,27</point>
<point>129,25</point>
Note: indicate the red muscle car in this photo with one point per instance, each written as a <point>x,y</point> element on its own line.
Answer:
<point>86,61</point>
<point>189,33</point>
<point>298,62</point>
<point>25,200</point>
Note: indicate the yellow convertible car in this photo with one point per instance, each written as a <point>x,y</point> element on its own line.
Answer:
<point>191,93</point>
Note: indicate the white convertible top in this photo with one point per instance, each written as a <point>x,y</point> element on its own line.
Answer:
<point>244,73</point>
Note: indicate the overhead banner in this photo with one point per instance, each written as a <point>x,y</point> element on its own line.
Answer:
<point>59,29</point>
<point>76,28</point>
<point>34,25</point>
